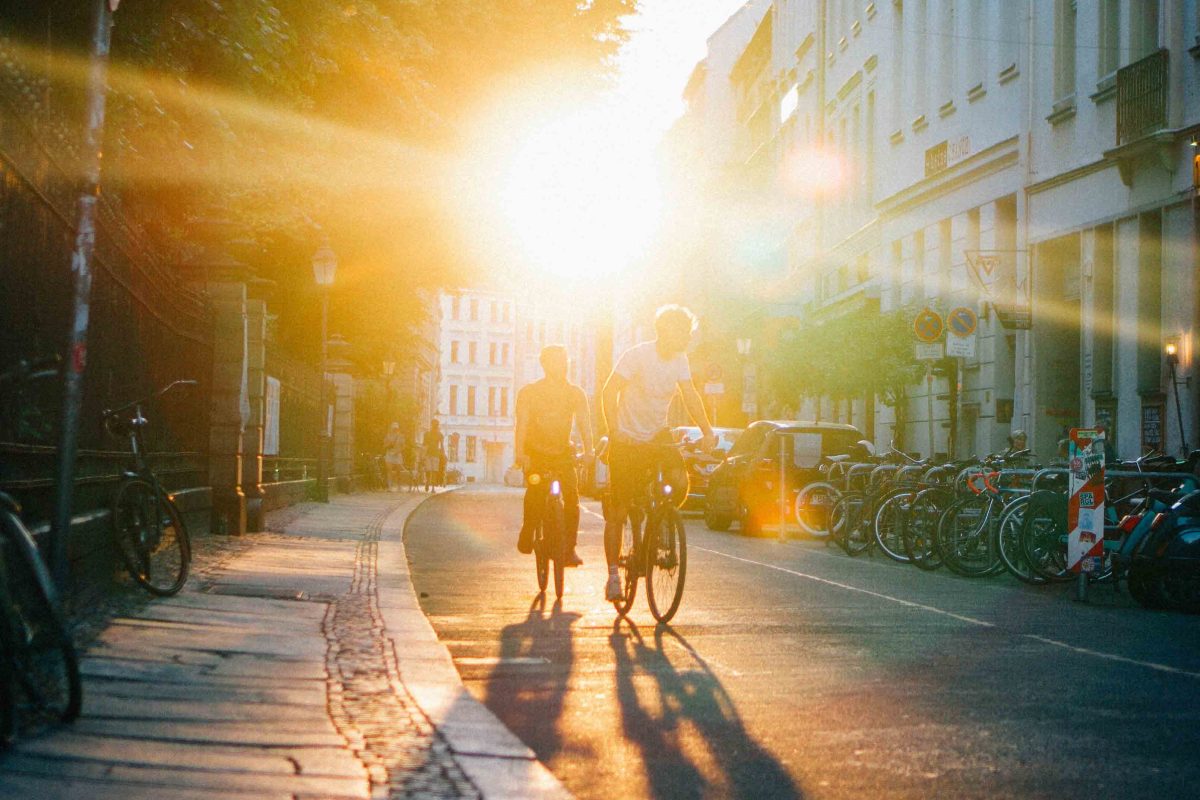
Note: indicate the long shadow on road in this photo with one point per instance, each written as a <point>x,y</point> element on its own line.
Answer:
<point>535,701</point>
<point>693,741</point>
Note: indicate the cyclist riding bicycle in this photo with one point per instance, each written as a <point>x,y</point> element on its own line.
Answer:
<point>546,412</point>
<point>634,403</point>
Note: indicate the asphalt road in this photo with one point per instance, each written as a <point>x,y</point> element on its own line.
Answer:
<point>792,670</point>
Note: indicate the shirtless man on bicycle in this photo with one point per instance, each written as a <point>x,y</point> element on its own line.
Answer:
<point>546,411</point>
<point>634,403</point>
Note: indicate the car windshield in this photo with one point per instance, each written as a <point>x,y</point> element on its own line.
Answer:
<point>725,436</point>
<point>833,442</point>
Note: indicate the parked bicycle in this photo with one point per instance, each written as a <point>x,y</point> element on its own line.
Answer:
<point>147,528</point>
<point>39,669</point>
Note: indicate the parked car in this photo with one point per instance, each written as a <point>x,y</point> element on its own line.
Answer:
<point>745,486</point>
<point>700,468</point>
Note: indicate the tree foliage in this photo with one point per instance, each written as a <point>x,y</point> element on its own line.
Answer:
<point>861,353</point>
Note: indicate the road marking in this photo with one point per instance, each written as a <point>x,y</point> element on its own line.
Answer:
<point>971,620</point>
<point>848,587</point>
<point>492,661</point>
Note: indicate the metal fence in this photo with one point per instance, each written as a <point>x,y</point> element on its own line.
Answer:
<point>298,421</point>
<point>1142,89</point>
<point>146,327</point>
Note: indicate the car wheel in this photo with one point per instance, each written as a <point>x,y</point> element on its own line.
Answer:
<point>750,522</point>
<point>714,520</point>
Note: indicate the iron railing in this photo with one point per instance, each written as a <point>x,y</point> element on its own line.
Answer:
<point>1142,89</point>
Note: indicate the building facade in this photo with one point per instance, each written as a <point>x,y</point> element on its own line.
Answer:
<point>947,154</point>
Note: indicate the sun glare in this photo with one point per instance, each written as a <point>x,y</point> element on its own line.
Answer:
<point>581,196</point>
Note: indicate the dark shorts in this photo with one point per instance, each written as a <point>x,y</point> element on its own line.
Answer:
<point>631,466</point>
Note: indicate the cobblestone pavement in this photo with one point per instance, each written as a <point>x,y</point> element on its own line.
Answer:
<point>277,672</point>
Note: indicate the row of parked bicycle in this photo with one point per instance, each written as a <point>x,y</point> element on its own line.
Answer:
<point>1001,515</point>
<point>39,669</point>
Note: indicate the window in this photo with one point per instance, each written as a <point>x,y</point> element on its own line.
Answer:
<point>474,310</point>
<point>945,256</point>
<point>452,447</point>
<point>454,352</point>
<point>947,50</point>
<point>976,50</point>
<point>504,354</point>
<point>1109,56</point>
<point>869,144</point>
<point>1143,28</point>
<point>1064,49</point>
<point>492,353</point>
<point>898,52</point>
<point>504,317</point>
<point>920,26</point>
<point>453,399</point>
<point>470,401</point>
<point>495,312</point>
<point>504,401</point>
<point>470,456</point>
<point>493,406</point>
<point>472,348</point>
<point>528,333</point>
<point>455,306</point>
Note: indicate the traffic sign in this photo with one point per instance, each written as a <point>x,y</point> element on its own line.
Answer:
<point>962,321</point>
<point>961,346</point>
<point>929,352</point>
<point>928,325</point>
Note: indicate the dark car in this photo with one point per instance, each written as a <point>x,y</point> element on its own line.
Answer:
<point>745,487</point>
<point>699,467</point>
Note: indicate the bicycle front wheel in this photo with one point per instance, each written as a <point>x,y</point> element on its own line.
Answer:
<point>888,528</point>
<point>813,505</point>
<point>150,536</point>
<point>847,523</point>
<point>556,540</point>
<point>666,563</point>
<point>44,665</point>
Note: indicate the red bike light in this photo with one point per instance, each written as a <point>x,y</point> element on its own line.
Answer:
<point>1129,522</point>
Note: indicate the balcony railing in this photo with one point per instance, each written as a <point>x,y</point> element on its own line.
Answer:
<point>1142,97</point>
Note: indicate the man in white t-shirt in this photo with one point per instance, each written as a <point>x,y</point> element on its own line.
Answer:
<point>634,403</point>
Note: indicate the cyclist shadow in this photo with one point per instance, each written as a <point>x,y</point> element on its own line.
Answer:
<point>690,702</point>
<point>528,685</point>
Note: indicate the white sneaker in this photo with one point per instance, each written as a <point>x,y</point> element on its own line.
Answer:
<point>612,590</point>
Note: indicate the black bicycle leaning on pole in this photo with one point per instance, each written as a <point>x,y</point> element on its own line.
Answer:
<point>39,670</point>
<point>147,527</point>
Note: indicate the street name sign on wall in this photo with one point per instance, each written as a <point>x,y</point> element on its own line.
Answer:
<point>1085,509</point>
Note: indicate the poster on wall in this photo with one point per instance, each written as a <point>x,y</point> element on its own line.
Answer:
<point>1152,426</point>
<point>271,418</point>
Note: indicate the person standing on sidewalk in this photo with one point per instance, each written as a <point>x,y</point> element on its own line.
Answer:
<point>546,412</point>
<point>434,455</point>
<point>635,403</point>
<point>393,456</point>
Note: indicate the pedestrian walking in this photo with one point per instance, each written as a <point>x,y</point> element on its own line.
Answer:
<point>394,446</point>
<point>433,447</point>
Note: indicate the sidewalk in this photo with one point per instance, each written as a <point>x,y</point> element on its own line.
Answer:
<point>302,668</point>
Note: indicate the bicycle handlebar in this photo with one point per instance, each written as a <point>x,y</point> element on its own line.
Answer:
<point>110,412</point>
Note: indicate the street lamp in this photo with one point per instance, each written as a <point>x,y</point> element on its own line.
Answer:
<point>389,369</point>
<point>749,402</point>
<point>1171,349</point>
<point>324,263</point>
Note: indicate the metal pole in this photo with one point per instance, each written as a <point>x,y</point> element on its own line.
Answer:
<point>323,440</point>
<point>783,491</point>
<point>1179,412</point>
<point>929,402</point>
<point>81,275</point>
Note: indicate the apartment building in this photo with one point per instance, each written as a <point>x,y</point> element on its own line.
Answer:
<point>477,356</point>
<point>948,153</point>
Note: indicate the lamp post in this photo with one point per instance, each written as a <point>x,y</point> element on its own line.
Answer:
<point>743,348</point>
<point>389,369</point>
<point>1171,348</point>
<point>324,263</point>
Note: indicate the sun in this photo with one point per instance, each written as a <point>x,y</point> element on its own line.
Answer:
<point>581,196</point>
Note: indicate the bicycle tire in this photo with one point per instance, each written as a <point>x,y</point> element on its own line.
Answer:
<point>1043,539</point>
<point>964,539</point>
<point>846,524</point>
<point>541,557</point>
<point>44,662</point>
<point>628,568</point>
<point>1008,542</point>
<point>8,685</point>
<point>888,525</point>
<point>813,505</point>
<point>666,563</point>
<point>150,537</point>
<point>921,526</point>
<point>556,540</point>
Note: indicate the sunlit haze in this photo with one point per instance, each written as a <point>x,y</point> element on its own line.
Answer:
<point>565,185</point>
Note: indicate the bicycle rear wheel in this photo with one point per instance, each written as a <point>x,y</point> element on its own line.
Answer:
<point>964,537</point>
<point>813,506</point>
<point>1008,542</point>
<point>44,665</point>
<point>150,536</point>
<point>888,527</point>
<point>921,526</point>
<point>630,562</point>
<point>846,523</point>
<point>666,562</point>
